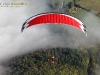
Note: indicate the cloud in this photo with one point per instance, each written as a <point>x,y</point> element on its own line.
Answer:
<point>12,18</point>
<point>93,28</point>
<point>13,42</point>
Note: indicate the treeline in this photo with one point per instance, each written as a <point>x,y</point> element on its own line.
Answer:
<point>69,62</point>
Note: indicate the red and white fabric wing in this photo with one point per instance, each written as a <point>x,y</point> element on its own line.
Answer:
<point>54,18</point>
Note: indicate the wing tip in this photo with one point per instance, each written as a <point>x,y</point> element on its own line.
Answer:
<point>84,29</point>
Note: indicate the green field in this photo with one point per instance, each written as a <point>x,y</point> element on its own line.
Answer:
<point>91,4</point>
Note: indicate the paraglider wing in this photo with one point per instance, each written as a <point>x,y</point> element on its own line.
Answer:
<point>54,18</point>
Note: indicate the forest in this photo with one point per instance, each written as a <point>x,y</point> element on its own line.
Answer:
<point>82,61</point>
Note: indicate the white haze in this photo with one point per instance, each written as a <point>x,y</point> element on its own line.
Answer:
<point>14,43</point>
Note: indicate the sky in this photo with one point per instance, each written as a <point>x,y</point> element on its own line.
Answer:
<point>14,43</point>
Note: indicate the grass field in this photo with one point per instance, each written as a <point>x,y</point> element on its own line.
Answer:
<point>93,5</point>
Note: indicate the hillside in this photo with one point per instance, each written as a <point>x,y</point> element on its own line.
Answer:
<point>76,6</point>
<point>69,62</point>
<point>90,4</point>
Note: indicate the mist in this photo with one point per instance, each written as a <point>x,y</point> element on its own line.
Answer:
<point>92,24</point>
<point>14,43</point>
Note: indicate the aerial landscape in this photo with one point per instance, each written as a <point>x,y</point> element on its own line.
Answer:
<point>65,50</point>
